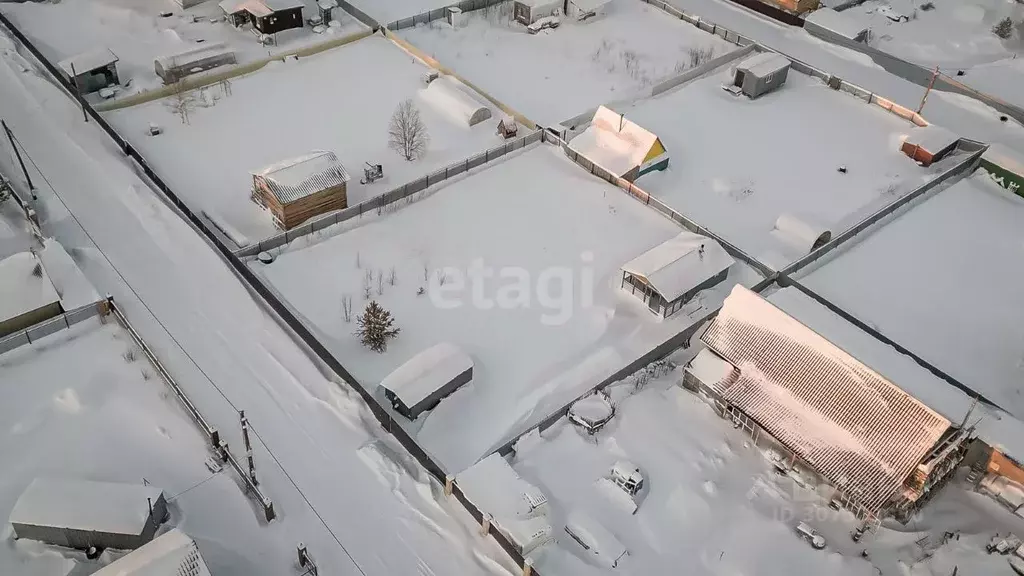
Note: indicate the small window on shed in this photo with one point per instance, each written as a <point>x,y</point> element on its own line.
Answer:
<point>768,78</point>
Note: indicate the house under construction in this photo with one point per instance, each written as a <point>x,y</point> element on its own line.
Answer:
<point>822,413</point>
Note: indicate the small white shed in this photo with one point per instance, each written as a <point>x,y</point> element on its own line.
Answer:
<point>527,12</point>
<point>424,380</point>
<point>171,554</point>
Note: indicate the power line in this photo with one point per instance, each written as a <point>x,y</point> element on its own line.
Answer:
<point>183,351</point>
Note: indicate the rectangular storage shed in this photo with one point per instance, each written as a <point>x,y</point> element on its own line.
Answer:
<point>81,513</point>
<point>91,71</point>
<point>423,381</point>
<point>761,73</point>
<point>527,12</point>
<point>831,25</point>
<point>929,144</point>
<point>174,67</point>
<point>300,188</point>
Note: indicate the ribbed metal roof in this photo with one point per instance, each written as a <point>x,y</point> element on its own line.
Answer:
<point>857,429</point>
<point>299,177</point>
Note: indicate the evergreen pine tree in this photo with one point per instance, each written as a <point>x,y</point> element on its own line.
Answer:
<point>375,327</point>
<point>1004,29</point>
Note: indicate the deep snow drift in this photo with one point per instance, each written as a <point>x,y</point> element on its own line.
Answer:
<point>736,165</point>
<point>559,73</point>
<point>340,100</point>
<point>942,281</point>
<point>536,218</point>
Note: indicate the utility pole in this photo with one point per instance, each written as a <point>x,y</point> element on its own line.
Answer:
<point>248,446</point>
<point>935,75</point>
<point>14,146</point>
<point>78,91</point>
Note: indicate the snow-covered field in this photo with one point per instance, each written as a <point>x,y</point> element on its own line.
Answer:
<point>713,504</point>
<point>137,34</point>
<point>340,100</point>
<point>955,35</point>
<point>557,74</point>
<point>86,404</point>
<point>942,280</point>
<point>737,164</point>
<point>536,218</point>
<point>951,33</point>
<point>316,445</point>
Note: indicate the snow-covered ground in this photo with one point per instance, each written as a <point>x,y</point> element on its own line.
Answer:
<point>340,100</point>
<point>559,73</point>
<point>942,281</point>
<point>951,33</point>
<point>965,116</point>
<point>137,34</point>
<point>316,445</point>
<point>86,404</point>
<point>955,35</point>
<point>713,504</point>
<point>535,218</point>
<point>994,427</point>
<point>738,164</point>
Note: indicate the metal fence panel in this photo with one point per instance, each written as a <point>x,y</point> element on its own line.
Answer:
<point>13,341</point>
<point>84,313</point>
<point>706,26</point>
<point>46,328</point>
<point>439,176</point>
<point>478,160</point>
<point>456,169</point>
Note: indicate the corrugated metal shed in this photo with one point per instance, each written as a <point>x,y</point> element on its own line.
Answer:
<point>857,429</point>
<point>679,264</point>
<point>299,177</point>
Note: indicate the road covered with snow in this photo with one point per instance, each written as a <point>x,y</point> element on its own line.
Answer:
<point>333,474</point>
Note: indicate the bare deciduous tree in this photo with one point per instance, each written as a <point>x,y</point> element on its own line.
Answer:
<point>392,276</point>
<point>367,279</point>
<point>380,283</point>
<point>346,307</point>
<point>407,134</point>
<point>182,101</point>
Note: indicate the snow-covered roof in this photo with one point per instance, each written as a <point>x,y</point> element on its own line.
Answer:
<point>73,288</point>
<point>763,64</point>
<point>836,22</point>
<point>88,61</point>
<point>276,5</point>
<point>995,427</point>
<point>613,142</point>
<point>844,419</point>
<point>186,58</point>
<point>426,372</point>
<point>537,3</point>
<point>451,97</point>
<point>592,409</point>
<point>517,507</point>
<point>799,232</point>
<point>85,505</point>
<point>257,8</point>
<point>932,138</point>
<point>327,4</point>
<point>23,289</point>
<point>677,265</point>
<point>299,177</point>
<point>171,554</point>
<point>712,369</point>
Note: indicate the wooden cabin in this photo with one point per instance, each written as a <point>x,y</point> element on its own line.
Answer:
<point>298,189</point>
<point>795,6</point>
<point>265,16</point>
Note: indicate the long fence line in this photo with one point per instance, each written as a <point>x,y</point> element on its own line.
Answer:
<point>274,306</point>
<point>218,444</point>
<point>976,149</point>
<point>62,321</point>
<point>831,80</point>
<point>385,200</point>
<point>440,13</point>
